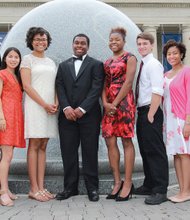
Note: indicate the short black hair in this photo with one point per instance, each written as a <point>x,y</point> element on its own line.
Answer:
<point>82,35</point>
<point>34,31</point>
<point>172,43</point>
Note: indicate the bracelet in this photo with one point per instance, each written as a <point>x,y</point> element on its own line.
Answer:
<point>114,106</point>
<point>187,122</point>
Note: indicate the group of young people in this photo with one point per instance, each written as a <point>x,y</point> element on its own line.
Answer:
<point>73,91</point>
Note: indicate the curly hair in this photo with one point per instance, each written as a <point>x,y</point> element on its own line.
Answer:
<point>180,46</point>
<point>120,31</point>
<point>34,31</point>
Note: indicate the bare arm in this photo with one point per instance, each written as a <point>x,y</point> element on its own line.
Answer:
<point>2,118</point>
<point>108,107</point>
<point>56,101</point>
<point>155,103</point>
<point>26,81</point>
<point>127,85</point>
<point>104,99</point>
<point>186,128</point>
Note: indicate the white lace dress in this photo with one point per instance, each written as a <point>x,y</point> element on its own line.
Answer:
<point>38,124</point>
<point>173,126</point>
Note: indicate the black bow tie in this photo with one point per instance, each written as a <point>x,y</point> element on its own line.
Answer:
<point>77,58</point>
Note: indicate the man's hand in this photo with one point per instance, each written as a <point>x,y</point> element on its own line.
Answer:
<point>78,113</point>
<point>150,117</point>
<point>70,114</point>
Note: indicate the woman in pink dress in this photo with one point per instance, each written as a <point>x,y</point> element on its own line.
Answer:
<point>11,118</point>
<point>119,112</point>
<point>177,116</point>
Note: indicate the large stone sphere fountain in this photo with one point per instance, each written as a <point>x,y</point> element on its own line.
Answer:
<point>64,19</point>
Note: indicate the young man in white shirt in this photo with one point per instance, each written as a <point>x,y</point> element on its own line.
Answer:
<point>149,91</point>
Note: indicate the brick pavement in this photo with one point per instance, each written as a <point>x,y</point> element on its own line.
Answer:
<point>79,208</point>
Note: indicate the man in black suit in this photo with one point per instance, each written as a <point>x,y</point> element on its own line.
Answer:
<point>79,85</point>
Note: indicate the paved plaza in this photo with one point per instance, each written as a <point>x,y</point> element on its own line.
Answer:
<point>80,208</point>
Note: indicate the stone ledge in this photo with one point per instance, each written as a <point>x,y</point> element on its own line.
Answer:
<point>55,167</point>
<point>19,182</point>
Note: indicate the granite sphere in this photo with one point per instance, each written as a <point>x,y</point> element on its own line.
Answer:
<point>64,19</point>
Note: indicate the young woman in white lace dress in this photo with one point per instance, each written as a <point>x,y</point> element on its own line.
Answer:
<point>38,74</point>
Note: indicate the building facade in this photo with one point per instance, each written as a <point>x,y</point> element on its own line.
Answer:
<point>163,18</point>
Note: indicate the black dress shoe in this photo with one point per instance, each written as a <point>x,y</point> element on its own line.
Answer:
<point>129,196</point>
<point>66,194</point>
<point>142,190</point>
<point>156,199</point>
<point>93,195</point>
<point>114,196</point>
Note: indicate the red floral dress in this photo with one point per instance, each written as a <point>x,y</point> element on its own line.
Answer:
<point>121,124</point>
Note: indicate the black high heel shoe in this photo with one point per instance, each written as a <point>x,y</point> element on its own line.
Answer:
<point>129,196</point>
<point>114,196</point>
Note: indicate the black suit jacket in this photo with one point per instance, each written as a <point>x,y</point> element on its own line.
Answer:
<point>82,90</point>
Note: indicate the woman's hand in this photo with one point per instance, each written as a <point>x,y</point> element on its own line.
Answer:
<point>110,109</point>
<point>186,131</point>
<point>2,125</point>
<point>50,108</point>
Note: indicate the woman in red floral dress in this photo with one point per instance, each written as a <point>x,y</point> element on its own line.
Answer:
<point>119,112</point>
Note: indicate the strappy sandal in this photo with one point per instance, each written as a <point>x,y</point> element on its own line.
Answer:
<point>38,196</point>
<point>5,200</point>
<point>48,194</point>
<point>12,196</point>
<point>44,195</point>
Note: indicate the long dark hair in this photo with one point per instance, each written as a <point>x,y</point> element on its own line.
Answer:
<point>4,65</point>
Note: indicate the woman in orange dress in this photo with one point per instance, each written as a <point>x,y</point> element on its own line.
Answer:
<point>11,118</point>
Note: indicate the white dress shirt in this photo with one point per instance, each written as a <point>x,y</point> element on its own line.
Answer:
<point>77,64</point>
<point>151,80</point>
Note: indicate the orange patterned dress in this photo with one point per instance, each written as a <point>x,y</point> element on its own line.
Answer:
<point>11,98</point>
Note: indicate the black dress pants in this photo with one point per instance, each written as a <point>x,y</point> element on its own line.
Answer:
<point>84,132</point>
<point>152,150</point>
